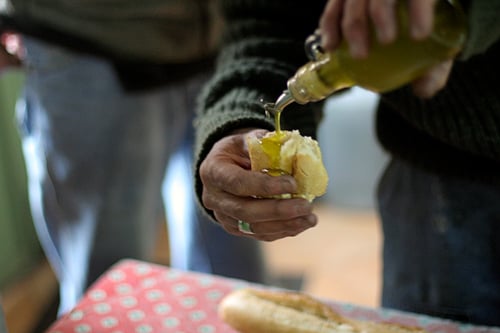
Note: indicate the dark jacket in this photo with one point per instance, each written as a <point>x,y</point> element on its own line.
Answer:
<point>148,40</point>
<point>456,131</point>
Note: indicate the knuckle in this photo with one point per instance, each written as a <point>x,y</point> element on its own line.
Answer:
<point>240,211</point>
<point>269,188</point>
<point>281,208</point>
<point>292,208</point>
<point>207,200</point>
<point>350,24</point>
<point>236,183</point>
<point>234,207</point>
<point>353,29</point>
<point>206,172</point>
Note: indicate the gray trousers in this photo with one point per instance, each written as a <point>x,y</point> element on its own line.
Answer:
<point>96,158</point>
<point>441,244</point>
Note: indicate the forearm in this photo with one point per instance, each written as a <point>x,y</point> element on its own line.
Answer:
<point>263,47</point>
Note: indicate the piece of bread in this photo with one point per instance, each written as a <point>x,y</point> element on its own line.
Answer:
<point>290,153</point>
<point>251,310</point>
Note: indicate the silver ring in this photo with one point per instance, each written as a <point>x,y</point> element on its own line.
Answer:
<point>245,227</point>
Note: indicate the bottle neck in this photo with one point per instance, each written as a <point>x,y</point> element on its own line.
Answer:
<point>283,101</point>
<point>318,79</point>
<point>389,66</point>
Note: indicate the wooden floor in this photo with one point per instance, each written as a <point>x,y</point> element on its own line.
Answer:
<point>25,302</point>
<point>339,259</point>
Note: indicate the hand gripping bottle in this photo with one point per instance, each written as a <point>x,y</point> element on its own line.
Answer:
<point>387,66</point>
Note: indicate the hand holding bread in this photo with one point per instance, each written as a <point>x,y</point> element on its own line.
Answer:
<point>232,192</point>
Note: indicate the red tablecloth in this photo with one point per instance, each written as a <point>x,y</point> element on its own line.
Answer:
<point>139,297</point>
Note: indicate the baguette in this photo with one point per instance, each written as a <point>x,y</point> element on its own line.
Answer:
<point>290,153</point>
<point>251,310</point>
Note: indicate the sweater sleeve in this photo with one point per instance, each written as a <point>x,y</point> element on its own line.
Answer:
<point>458,130</point>
<point>262,48</point>
<point>463,119</point>
<point>483,26</point>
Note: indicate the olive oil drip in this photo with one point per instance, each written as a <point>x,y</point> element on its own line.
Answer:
<point>271,145</point>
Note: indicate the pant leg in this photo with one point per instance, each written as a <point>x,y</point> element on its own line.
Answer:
<point>441,245</point>
<point>96,157</point>
<point>197,243</point>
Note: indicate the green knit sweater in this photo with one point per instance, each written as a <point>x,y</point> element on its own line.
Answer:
<point>456,131</point>
<point>157,31</point>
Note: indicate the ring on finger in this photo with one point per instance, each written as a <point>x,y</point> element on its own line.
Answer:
<point>245,227</point>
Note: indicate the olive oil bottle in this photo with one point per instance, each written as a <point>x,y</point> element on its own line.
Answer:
<point>387,67</point>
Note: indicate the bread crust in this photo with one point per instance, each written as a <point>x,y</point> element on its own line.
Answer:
<point>251,310</point>
<point>299,156</point>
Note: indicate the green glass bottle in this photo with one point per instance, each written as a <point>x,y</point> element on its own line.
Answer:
<point>387,67</point>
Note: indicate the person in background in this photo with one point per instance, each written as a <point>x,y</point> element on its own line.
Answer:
<point>3,327</point>
<point>438,197</point>
<point>108,99</point>
<point>7,61</point>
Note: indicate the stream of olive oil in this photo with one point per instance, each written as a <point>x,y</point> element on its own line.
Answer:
<point>271,146</point>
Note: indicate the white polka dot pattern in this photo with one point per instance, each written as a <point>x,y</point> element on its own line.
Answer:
<point>137,297</point>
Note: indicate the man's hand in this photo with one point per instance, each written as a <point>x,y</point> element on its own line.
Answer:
<point>10,50</point>
<point>352,20</point>
<point>234,192</point>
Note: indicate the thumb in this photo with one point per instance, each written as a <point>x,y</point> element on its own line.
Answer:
<point>433,80</point>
